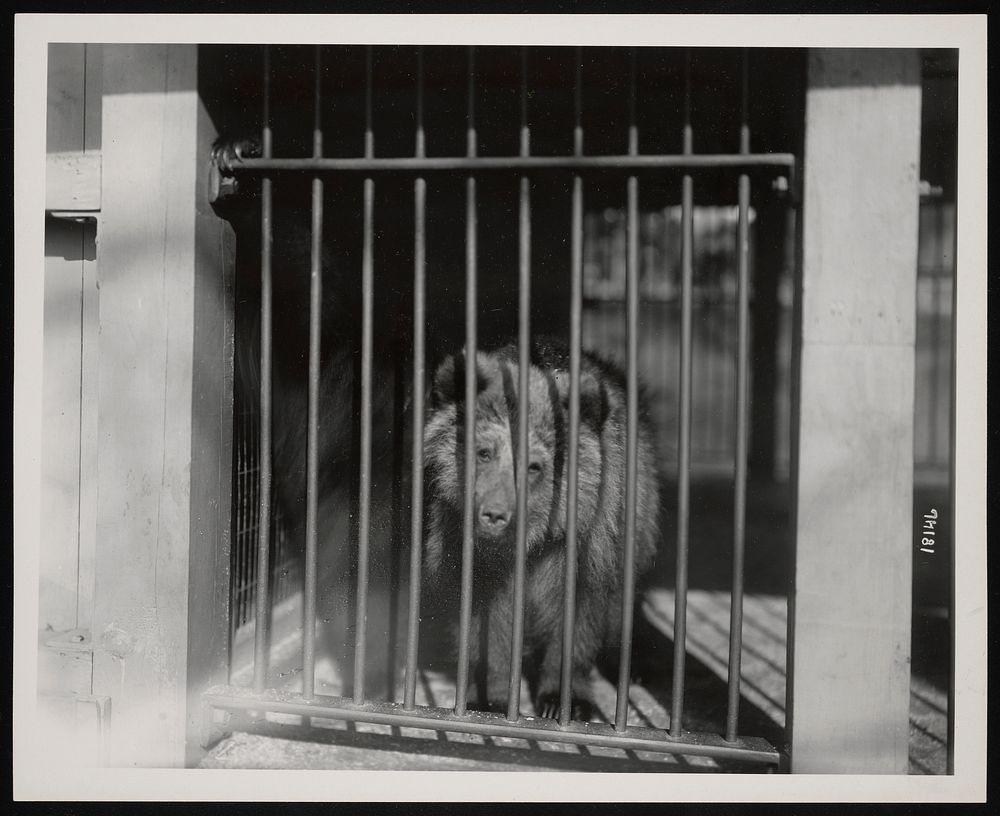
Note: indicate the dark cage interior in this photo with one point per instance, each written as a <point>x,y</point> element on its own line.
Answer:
<point>679,276</point>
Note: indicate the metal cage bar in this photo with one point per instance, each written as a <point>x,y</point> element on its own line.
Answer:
<point>262,606</point>
<point>419,353</point>
<point>365,476</point>
<point>469,498</point>
<point>524,382</point>
<point>369,131</point>
<point>573,441</point>
<point>463,165</point>
<point>742,423</point>
<point>637,738</point>
<point>312,426</point>
<point>632,166</point>
<point>684,421</point>
<point>632,411</point>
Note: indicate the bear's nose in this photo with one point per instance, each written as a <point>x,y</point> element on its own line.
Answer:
<point>493,520</point>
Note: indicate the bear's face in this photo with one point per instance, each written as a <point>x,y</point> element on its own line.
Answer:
<point>496,476</point>
<point>495,504</point>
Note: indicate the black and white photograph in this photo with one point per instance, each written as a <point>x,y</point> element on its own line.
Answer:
<point>599,397</point>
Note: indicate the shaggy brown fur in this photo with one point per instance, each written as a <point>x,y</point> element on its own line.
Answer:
<point>600,524</point>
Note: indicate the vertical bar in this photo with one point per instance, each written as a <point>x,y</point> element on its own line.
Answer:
<point>261,601</point>
<point>364,485</point>
<point>255,493</point>
<point>251,503</point>
<point>525,141</point>
<point>745,104</point>
<point>468,509</point>
<point>573,459</point>
<point>742,402</point>
<point>239,525</point>
<point>952,465</point>
<point>524,372</point>
<point>684,423</point>
<point>935,285</point>
<point>252,498</point>
<point>236,562</point>
<point>369,133</point>
<point>716,388</point>
<point>312,432</point>
<point>767,261</point>
<point>632,410</point>
<point>420,147</point>
<point>243,523</point>
<point>633,129</point>
<point>648,250</point>
<point>417,507</point>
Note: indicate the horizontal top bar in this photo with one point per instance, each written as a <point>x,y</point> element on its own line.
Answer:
<point>467,164</point>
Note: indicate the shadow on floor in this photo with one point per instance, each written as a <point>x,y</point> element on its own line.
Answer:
<point>705,693</point>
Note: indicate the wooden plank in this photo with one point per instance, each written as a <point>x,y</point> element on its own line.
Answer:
<point>60,485</point>
<point>73,182</point>
<point>850,630</point>
<point>93,85</point>
<point>211,443</point>
<point>72,188</point>
<point>66,97</point>
<point>156,472</point>
<point>65,662</point>
<point>89,337</point>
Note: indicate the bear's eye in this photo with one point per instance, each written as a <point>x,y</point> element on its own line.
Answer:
<point>484,455</point>
<point>535,468</point>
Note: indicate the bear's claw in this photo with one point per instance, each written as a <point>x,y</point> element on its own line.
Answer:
<point>548,707</point>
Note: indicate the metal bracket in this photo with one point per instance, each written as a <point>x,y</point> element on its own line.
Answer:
<point>220,185</point>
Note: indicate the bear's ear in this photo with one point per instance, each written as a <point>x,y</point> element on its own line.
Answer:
<point>592,397</point>
<point>449,380</point>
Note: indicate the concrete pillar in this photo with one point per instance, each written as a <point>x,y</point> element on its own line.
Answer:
<point>853,457</point>
<point>164,408</point>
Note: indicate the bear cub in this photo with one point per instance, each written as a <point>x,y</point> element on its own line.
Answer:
<point>600,515</point>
